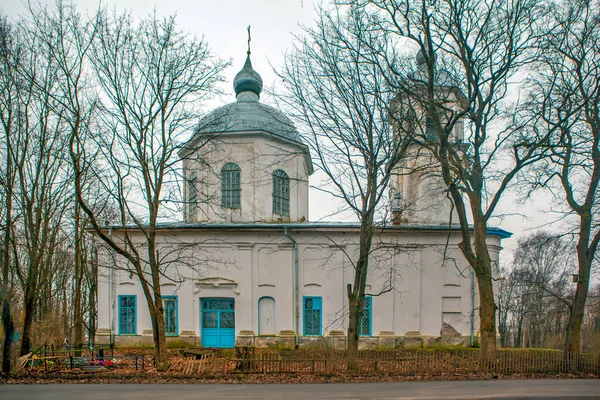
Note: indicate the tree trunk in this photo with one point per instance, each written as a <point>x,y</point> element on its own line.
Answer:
<point>160,339</point>
<point>483,272</point>
<point>28,310</point>
<point>519,337</point>
<point>584,261</point>
<point>77,317</point>
<point>156,310</point>
<point>5,261</point>
<point>77,312</point>
<point>352,321</point>
<point>92,296</point>
<point>487,317</point>
<point>356,292</point>
<point>7,323</point>
<point>577,309</point>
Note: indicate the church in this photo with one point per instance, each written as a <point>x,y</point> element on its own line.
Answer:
<point>247,267</point>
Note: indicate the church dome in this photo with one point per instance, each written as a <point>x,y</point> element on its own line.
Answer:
<point>443,78</point>
<point>247,80</point>
<point>248,114</point>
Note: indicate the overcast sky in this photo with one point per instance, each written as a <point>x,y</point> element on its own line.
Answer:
<point>223,23</point>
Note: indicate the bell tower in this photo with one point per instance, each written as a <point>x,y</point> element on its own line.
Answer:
<point>418,193</point>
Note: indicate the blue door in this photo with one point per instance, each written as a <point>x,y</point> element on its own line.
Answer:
<point>218,322</point>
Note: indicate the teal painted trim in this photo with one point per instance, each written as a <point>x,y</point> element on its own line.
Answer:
<point>501,233</point>
<point>368,308</point>
<point>134,309</point>
<point>217,337</point>
<point>263,297</point>
<point>317,304</point>
<point>176,316</point>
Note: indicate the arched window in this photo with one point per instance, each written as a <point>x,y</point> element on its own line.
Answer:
<point>459,131</point>
<point>430,128</point>
<point>230,186</point>
<point>192,195</point>
<point>281,193</point>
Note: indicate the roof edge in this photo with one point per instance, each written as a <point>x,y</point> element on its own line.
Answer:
<point>492,231</point>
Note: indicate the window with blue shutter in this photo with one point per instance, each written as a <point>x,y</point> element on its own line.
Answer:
<point>127,315</point>
<point>365,321</point>
<point>312,316</point>
<point>170,307</point>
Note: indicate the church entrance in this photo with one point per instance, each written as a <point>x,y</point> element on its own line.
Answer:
<point>217,322</point>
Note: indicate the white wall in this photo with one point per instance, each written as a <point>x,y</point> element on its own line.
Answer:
<point>247,264</point>
<point>258,156</point>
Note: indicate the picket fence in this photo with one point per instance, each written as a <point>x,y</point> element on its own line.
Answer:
<point>396,362</point>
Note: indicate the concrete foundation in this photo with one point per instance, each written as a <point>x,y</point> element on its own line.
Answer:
<point>103,336</point>
<point>387,340</point>
<point>335,340</point>
<point>263,341</point>
<point>286,340</point>
<point>245,339</point>
<point>368,343</point>
<point>412,340</point>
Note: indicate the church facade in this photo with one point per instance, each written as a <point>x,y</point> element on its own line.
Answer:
<point>246,267</point>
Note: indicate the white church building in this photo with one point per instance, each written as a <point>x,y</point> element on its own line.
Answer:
<point>249,268</point>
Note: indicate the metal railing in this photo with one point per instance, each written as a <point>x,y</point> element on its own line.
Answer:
<point>396,362</point>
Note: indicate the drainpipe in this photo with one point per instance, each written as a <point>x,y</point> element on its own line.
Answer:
<point>472,341</point>
<point>296,285</point>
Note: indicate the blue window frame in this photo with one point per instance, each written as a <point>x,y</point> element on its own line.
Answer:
<point>365,321</point>
<point>281,193</point>
<point>170,307</point>
<point>127,315</point>
<point>231,186</point>
<point>312,316</point>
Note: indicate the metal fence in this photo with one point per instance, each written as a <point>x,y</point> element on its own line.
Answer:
<point>397,362</point>
<point>49,358</point>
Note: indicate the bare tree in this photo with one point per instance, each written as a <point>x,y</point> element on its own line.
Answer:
<point>566,105</point>
<point>506,294</point>
<point>343,103</point>
<point>37,150</point>
<point>534,297</point>
<point>68,37</point>
<point>541,266</point>
<point>468,53</point>
<point>8,116</point>
<point>152,78</point>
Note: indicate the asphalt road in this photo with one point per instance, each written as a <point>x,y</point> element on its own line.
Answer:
<point>500,389</point>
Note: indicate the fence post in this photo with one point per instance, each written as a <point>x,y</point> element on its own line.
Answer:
<point>136,364</point>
